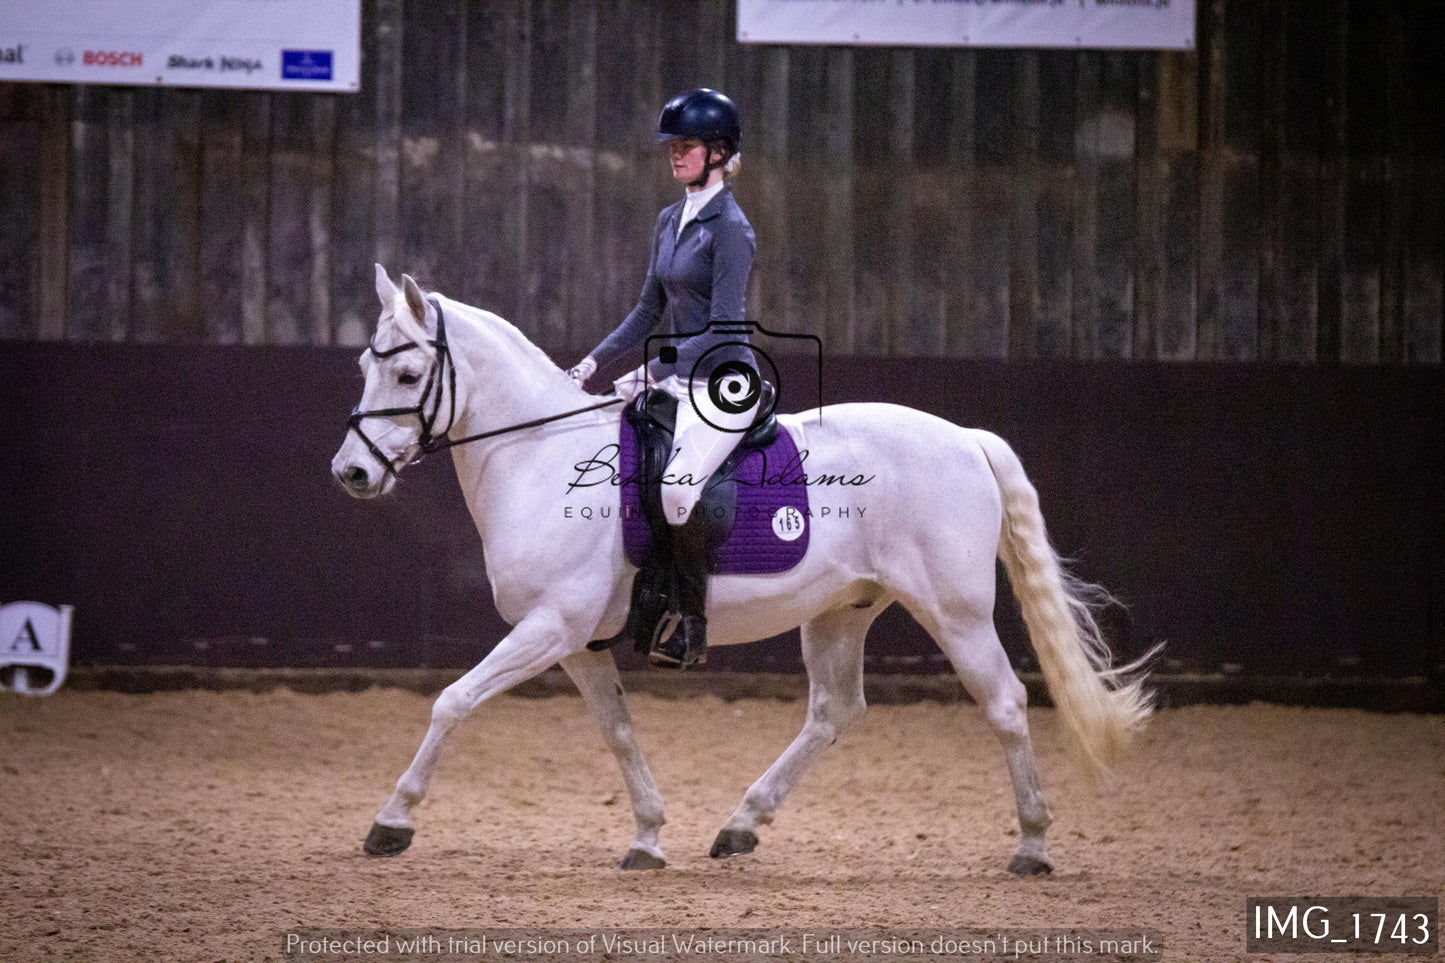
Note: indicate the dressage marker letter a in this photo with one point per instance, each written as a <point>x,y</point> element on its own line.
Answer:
<point>34,647</point>
<point>27,632</point>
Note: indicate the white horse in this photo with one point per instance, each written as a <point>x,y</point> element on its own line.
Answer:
<point>943,503</point>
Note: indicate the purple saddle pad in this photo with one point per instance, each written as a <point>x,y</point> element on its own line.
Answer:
<point>770,520</point>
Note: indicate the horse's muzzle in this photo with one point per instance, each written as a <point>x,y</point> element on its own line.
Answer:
<point>358,480</point>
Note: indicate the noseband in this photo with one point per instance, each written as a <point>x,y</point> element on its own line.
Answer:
<point>442,368</point>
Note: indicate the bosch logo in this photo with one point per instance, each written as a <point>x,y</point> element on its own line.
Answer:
<point>111,58</point>
<point>64,57</point>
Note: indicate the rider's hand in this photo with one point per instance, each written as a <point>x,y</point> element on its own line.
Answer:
<point>630,385</point>
<point>583,370</point>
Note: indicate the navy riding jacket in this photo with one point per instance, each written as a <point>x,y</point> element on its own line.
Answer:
<point>694,280</point>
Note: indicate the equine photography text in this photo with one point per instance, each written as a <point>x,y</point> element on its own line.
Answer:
<point>608,511</point>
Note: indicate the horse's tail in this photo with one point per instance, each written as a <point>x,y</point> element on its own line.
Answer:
<point>1102,705</point>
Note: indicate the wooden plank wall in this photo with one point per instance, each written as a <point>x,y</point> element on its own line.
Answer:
<point>1276,196</point>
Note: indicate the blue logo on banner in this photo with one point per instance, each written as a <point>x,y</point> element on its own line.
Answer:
<point>306,65</point>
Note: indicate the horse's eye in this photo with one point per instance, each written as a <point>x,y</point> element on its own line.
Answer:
<point>407,378</point>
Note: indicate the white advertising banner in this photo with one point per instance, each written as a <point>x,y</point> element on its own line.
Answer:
<point>256,44</point>
<point>1110,24</point>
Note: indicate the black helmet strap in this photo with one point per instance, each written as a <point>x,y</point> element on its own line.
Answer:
<point>708,164</point>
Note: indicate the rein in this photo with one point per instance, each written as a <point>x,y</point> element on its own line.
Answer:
<point>442,367</point>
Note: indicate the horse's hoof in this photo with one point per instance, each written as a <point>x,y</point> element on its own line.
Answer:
<point>642,859</point>
<point>1022,865</point>
<point>387,840</point>
<point>733,842</point>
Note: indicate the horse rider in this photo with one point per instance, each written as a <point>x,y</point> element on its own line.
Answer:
<point>702,254</point>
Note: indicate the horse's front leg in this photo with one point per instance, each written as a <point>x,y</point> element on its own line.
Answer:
<point>540,639</point>
<point>595,674</point>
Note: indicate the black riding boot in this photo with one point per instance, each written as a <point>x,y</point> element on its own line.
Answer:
<point>650,601</point>
<point>687,646</point>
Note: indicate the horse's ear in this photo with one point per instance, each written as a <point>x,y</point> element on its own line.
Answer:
<point>385,290</point>
<point>414,299</point>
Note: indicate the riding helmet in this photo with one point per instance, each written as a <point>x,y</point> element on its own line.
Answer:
<point>702,113</point>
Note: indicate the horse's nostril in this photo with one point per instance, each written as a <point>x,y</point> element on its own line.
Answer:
<point>356,477</point>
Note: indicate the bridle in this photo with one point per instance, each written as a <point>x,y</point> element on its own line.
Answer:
<point>443,369</point>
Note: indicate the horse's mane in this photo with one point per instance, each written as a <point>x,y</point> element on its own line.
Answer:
<point>409,328</point>
<point>510,332</point>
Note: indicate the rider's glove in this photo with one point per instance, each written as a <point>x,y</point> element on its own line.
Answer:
<point>583,370</point>
<point>631,384</point>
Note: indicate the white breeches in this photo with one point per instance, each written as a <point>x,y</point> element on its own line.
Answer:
<point>698,448</point>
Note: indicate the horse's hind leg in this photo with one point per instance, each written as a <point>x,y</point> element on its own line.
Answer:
<point>972,645</point>
<point>833,655</point>
<point>595,674</point>
<point>991,681</point>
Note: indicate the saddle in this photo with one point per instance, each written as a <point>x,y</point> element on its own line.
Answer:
<point>652,416</point>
